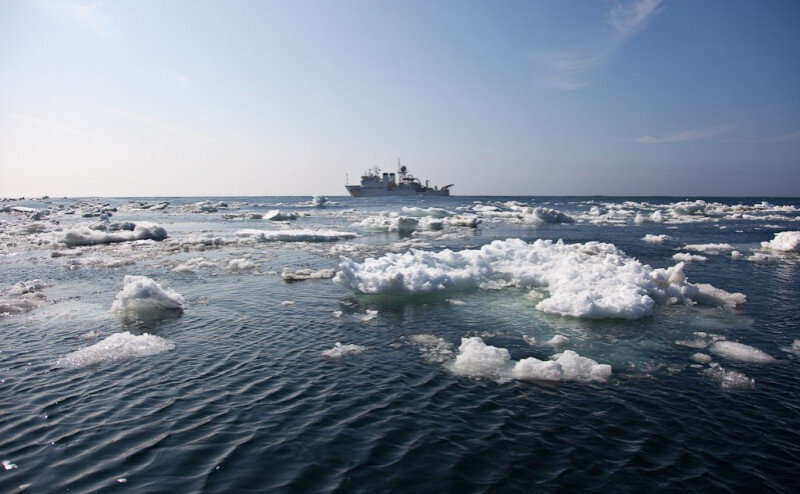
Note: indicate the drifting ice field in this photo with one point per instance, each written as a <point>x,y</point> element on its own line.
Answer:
<point>227,344</point>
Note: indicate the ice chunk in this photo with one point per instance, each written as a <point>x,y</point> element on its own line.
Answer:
<point>340,351</point>
<point>241,265</point>
<point>739,352</point>
<point>140,295</point>
<point>87,236</point>
<point>193,265</point>
<point>566,366</point>
<point>713,249</point>
<point>701,358</point>
<point>278,215</point>
<point>116,347</point>
<point>656,239</point>
<point>686,257</point>
<point>784,242</point>
<point>557,340</point>
<point>477,359</point>
<point>390,223</point>
<point>307,274</point>
<point>421,212</point>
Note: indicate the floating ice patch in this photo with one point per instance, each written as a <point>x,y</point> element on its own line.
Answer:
<point>369,315</point>
<point>8,465</point>
<point>307,274</point>
<point>728,379</point>
<point>87,236</point>
<point>477,359</point>
<point>296,235</point>
<point>557,340</point>
<point>784,242</point>
<point>701,358</point>
<point>432,212</point>
<point>193,265</point>
<point>739,352</point>
<point>389,223</point>
<point>278,215</point>
<point>656,239</point>
<point>340,351</point>
<point>116,347</point>
<point>566,366</point>
<point>595,280</point>
<point>686,257</point>
<point>713,249</point>
<point>141,295</point>
<point>241,265</point>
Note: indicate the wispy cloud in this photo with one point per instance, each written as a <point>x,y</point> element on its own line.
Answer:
<point>86,15</point>
<point>569,69</point>
<point>40,122</point>
<point>688,135</point>
<point>794,136</point>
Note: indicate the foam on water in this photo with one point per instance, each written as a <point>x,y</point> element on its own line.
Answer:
<point>116,347</point>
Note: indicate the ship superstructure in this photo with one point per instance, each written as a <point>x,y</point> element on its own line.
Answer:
<point>375,183</point>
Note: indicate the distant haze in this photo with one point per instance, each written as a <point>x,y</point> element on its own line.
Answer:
<point>641,97</point>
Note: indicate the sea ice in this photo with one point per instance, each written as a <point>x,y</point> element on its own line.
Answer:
<point>307,274</point>
<point>86,236</point>
<point>713,249</point>
<point>340,351</point>
<point>116,347</point>
<point>595,280</point>
<point>739,352</point>
<point>728,379</point>
<point>784,242</point>
<point>140,294</point>
<point>656,239</point>
<point>686,257</point>
<point>296,235</point>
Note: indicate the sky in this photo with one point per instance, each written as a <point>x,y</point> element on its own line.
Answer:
<point>192,98</point>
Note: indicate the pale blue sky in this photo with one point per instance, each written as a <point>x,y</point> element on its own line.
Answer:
<point>263,98</point>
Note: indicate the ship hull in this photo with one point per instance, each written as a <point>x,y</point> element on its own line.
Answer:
<point>358,191</point>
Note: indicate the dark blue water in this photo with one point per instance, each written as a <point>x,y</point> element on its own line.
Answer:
<point>246,402</point>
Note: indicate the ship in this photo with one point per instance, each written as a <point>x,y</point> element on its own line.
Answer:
<point>375,183</point>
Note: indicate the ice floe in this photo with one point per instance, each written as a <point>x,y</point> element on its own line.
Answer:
<point>593,279</point>
<point>728,379</point>
<point>116,347</point>
<point>686,257</point>
<point>713,249</point>
<point>740,352</point>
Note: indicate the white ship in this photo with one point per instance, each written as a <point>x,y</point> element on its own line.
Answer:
<point>377,184</point>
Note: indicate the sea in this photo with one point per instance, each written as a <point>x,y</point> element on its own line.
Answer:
<point>448,344</point>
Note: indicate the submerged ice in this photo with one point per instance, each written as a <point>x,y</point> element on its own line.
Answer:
<point>118,346</point>
<point>592,280</point>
